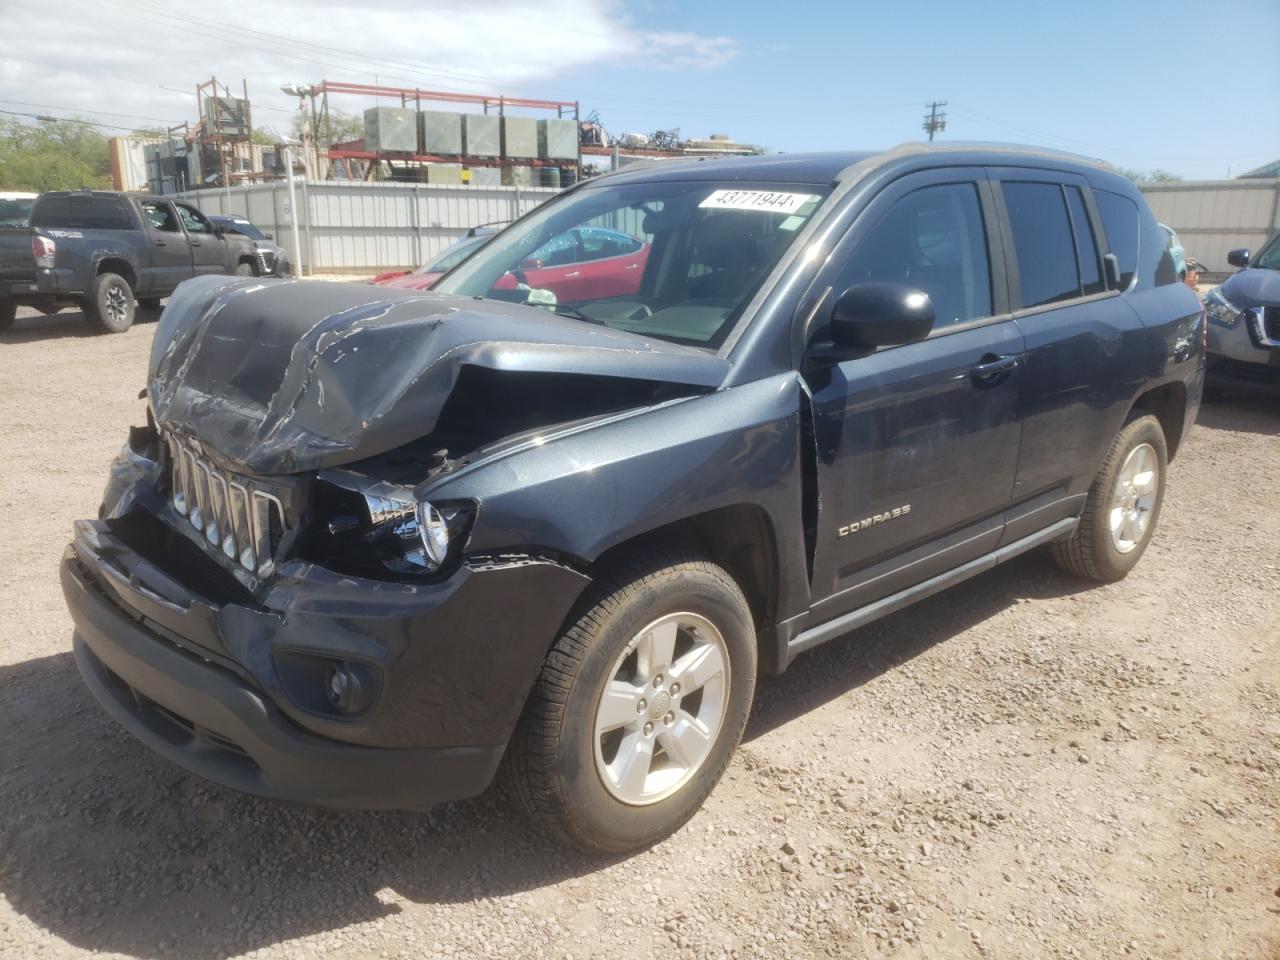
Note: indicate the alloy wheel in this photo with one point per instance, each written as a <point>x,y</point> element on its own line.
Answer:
<point>662,709</point>
<point>1133,497</point>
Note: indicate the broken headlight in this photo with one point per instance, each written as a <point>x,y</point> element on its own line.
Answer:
<point>411,533</point>
<point>380,530</point>
<point>1220,310</point>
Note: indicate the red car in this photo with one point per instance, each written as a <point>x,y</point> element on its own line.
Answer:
<point>426,275</point>
<point>586,263</point>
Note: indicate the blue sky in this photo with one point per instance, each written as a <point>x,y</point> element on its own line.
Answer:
<point>1192,88</point>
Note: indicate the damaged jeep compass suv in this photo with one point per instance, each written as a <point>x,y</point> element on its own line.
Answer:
<point>371,543</point>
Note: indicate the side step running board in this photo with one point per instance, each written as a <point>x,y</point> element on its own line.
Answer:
<point>894,602</point>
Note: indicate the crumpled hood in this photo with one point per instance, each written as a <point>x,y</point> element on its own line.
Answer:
<point>1252,288</point>
<point>278,376</point>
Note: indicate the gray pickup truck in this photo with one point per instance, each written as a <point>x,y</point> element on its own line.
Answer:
<point>101,252</point>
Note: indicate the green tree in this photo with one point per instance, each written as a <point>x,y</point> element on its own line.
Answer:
<point>1150,176</point>
<point>52,155</point>
<point>346,126</point>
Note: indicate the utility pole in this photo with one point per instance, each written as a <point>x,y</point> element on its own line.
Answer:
<point>934,120</point>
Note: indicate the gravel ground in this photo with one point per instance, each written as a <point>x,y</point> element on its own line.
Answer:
<point>1024,766</point>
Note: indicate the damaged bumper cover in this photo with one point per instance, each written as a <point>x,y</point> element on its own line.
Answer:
<point>234,691</point>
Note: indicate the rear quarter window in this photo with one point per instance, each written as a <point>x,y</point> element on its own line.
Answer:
<point>81,212</point>
<point>1120,223</point>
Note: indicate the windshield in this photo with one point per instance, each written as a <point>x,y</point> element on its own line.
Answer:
<point>454,255</point>
<point>15,213</point>
<point>677,260</point>
<point>241,226</point>
<point>1269,256</point>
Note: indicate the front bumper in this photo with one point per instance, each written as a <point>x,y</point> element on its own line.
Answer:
<point>202,677</point>
<point>205,719</point>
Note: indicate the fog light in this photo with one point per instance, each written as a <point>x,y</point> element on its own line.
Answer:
<point>343,688</point>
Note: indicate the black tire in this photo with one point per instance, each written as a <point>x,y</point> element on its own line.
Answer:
<point>552,758</point>
<point>245,270</point>
<point>108,303</point>
<point>1091,551</point>
<point>149,303</point>
<point>8,313</point>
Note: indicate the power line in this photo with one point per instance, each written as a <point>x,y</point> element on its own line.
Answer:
<point>46,119</point>
<point>102,113</point>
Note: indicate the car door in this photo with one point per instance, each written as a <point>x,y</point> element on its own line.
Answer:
<point>917,443</point>
<point>1085,353</point>
<point>171,261</point>
<point>208,249</point>
<point>612,265</point>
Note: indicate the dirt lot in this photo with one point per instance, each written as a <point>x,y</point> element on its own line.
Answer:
<point>1022,767</point>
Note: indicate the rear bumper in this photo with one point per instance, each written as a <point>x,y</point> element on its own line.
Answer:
<point>210,721</point>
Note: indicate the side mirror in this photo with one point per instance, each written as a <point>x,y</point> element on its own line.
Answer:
<point>219,230</point>
<point>880,314</point>
<point>1239,257</point>
<point>267,236</point>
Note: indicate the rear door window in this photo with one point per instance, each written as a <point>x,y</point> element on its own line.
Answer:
<point>1086,249</point>
<point>160,215</point>
<point>81,211</point>
<point>1042,241</point>
<point>1120,221</point>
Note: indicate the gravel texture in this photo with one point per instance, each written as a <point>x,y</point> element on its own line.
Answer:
<point>1024,766</point>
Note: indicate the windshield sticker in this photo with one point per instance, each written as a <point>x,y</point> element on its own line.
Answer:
<point>768,200</point>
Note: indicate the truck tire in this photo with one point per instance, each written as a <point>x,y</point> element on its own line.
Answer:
<point>108,303</point>
<point>245,270</point>
<point>8,312</point>
<point>1122,508</point>
<point>638,706</point>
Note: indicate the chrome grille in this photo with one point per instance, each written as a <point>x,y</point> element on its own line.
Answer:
<point>233,515</point>
<point>266,262</point>
<point>1271,325</point>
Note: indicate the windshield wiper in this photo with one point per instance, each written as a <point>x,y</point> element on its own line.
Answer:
<point>568,310</point>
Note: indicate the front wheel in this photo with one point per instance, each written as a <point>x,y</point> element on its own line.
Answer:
<point>1122,508</point>
<point>639,705</point>
<point>245,270</point>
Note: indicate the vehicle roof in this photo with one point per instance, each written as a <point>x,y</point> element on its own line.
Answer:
<point>128,195</point>
<point>835,165</point>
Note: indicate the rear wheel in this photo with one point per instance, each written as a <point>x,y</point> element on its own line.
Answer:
<point>108,304</point>
<point>639,705</point>
<point>1122,508</point>
<point>8,312</point>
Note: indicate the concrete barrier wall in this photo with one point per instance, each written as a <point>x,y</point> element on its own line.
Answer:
<point>367,227</point>
<point>1214,216</point>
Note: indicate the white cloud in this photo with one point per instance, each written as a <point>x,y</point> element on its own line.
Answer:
<point>117,56</point>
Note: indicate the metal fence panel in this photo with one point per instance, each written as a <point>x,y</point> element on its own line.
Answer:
<point>368,227</point>
<point>1214,216</point>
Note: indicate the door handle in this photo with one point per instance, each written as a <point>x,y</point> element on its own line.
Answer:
<point>993,369</point>
<point>160,243</point>
<point>576,273</point>
<point>195,243</point>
